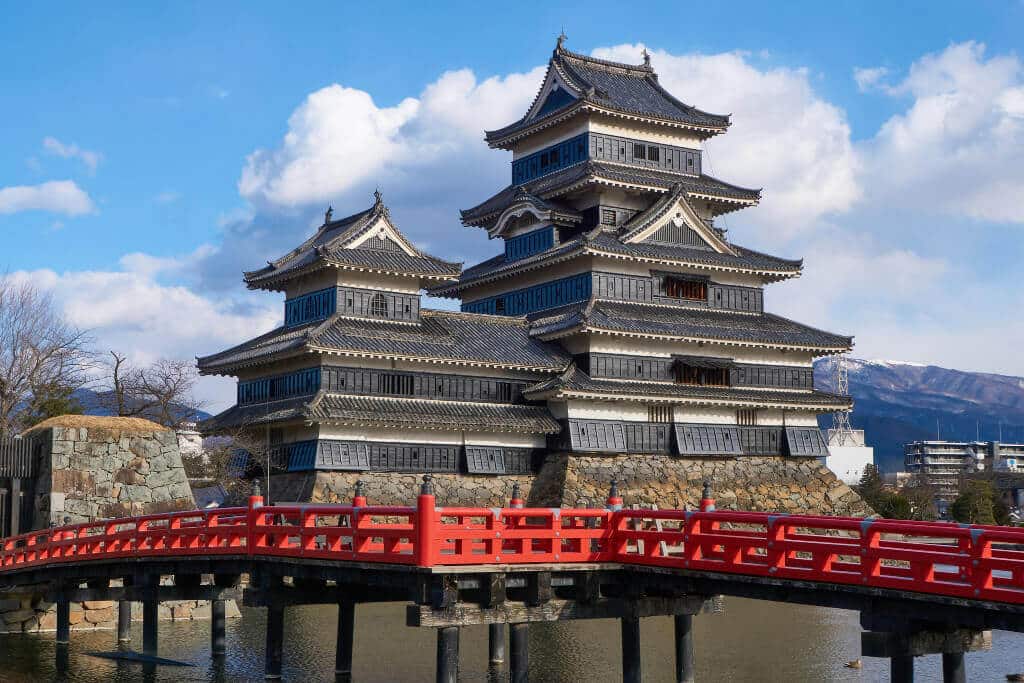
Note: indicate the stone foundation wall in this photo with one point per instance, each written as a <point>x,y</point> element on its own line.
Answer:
<point>119,469</point>
<point>774,484</point>
<point>27,613</point>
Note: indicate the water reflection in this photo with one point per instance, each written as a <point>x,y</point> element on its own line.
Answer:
<point>751,641</point>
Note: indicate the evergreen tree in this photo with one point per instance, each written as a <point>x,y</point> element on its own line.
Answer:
<point>50,400</point>
<point>975,504</point>
<point>870,487</point>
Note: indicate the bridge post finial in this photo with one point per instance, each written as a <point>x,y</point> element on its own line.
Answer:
<point>427,488</point>
<point>255,496</point>
<point>614,502</point>
<point>517,496</point>
<point>707,503</point>
<point>358,495</point>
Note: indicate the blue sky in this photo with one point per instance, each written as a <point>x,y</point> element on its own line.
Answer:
<point>152,152</point>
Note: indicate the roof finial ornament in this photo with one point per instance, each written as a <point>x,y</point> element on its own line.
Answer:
<point>647,58</point>
<point>328,213</point>
<point>561,39</point>
<point>377,197</point>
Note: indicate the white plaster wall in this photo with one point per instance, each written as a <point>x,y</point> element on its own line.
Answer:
<point>331,277</point>
<point>429,436</point>
<point>630,129</point>
<point>548,137</point>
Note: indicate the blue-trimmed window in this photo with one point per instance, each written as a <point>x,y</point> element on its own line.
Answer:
<point>529,243</point>
<point>550,159</point>
<point>308,307</point>
<point>300,383</point>
<point>537,298</point>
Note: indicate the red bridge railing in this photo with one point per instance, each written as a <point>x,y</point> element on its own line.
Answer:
<point>969,561</point>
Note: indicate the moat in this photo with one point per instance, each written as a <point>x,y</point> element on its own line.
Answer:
<point>779,642</point>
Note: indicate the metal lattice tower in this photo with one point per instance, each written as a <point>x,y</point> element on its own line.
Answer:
<point>841,433</point>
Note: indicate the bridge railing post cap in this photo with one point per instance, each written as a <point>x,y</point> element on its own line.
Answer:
<point>255,487</point>
<point>613,492</point>
<point>427,489</point>
<point>706,493</point>
<point>359,487</point>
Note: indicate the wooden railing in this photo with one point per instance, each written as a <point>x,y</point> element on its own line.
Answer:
<point>17,458</point>
<point>965,561</point>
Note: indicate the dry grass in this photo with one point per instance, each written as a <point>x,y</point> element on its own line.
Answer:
<point>125,425</point>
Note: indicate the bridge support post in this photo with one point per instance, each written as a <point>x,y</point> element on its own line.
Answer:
<point>953,668</point>
<point>448,654</point>
<point>343,648</point>
<point>150,623</point>
<point>275,641</point>
<point>686,665</point>
<point>496,647</point>
<point>631,670</point>
<point>63,620</point>
<point>218,628</point>
<point>519,641</point>
<point>901,669</point>
<point>124,621</point>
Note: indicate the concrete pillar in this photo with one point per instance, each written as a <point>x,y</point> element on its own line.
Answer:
<point>218,628</point>
<point>901,669</point>
<point>150,623</point>
<point>275,641</point>
<point>17,505</point>
<point>953,668</point>
<point>343,648</point>
<point>496,646</point>
<point>686,666</point>
<point>519,651</point>
<point>63,620</point>
<point>124,621</point>
<point>631,670</point>
<point>448,654</point>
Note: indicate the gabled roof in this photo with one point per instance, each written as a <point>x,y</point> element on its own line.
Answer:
<point>606,242</point>
<point>443,337</point>
<point>344,244</point>
<point>576,82</point>
<point>685,324</point>
<point>592,172</point>
<point>374,411</point>
<point>522,202</point>
<point>576,384</point>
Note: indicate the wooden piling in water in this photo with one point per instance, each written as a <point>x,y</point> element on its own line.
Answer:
<point>685,660</point>
<point>275,641</point>
<point>218,628</point>
<point>631,669</point>
<point>519,637</point>
<point>496,647</point>
<point>343,647</point>
<point>448,654</point>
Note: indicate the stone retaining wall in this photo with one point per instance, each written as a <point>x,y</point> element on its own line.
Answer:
<point>27,613</point>
<point>774,484</point>
<point>98,472</point>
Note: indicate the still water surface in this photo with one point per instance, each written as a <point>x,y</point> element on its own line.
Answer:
<point>750,641</point>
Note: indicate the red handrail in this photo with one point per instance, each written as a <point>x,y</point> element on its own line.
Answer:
<point>968,561</point>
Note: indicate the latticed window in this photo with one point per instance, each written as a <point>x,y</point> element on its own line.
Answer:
<point>746,417</point>
<point>680,288</point>
<point>659,413</point>
<point>379,305</point>
<point>700,375</point>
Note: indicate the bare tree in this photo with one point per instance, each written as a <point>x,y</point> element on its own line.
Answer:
<point>40,353</point>
<point>162,392</point>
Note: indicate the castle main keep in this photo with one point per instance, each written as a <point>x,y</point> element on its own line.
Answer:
<point>620,333</point>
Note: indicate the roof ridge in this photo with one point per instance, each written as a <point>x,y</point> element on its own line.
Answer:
<point>500,319</point>
<point>644,68</point>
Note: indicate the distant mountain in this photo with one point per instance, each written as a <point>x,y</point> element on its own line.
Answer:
<point>92,404</point>
<point>896,402</point>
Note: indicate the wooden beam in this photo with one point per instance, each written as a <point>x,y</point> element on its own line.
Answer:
<point>470,614</point>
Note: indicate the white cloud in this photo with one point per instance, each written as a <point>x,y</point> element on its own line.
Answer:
<point>869,78</point>
<point>72,151</point>
<point>55,196</point>
<point>167,197</point>
<point>784,138</point>
<point>959,148</point>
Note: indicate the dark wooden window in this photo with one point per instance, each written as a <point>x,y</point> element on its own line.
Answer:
<point>746,417</point>
<point>607,216</point>
<point>499,305</point>
<point>681,288</point>
<point>639,150</point>
<point>653,153</point>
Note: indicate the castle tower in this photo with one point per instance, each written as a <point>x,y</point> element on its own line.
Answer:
<point>611,250</point>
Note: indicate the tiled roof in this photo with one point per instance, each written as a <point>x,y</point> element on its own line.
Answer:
<point>236,416</point>
<point>616,87</point>
<point>327,247</point>
<point>606,241</point>
<point>554,184</point>
<point>418,414</point>
<point>443,336</point>
<point>576,382</point>
<point>700,324</point>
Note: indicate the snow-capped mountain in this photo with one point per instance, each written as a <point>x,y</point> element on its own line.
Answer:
<point>899,401</point>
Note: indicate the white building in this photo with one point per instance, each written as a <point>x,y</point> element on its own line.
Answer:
<point>848,455</point>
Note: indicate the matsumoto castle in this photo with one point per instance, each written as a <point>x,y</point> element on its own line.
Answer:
<point>618,324</point>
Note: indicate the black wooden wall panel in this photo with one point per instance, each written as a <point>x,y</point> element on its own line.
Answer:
<point>370,382</point>
<point>621,366</point>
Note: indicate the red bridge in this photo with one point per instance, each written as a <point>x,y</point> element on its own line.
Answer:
<point>460,566</point>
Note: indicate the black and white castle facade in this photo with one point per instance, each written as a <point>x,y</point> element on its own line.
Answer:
<point>619,334</point>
